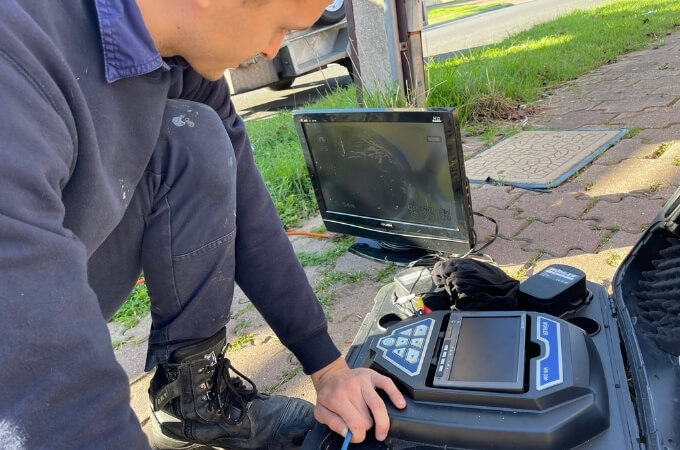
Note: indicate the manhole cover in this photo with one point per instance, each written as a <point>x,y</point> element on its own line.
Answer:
<point>539,159</point>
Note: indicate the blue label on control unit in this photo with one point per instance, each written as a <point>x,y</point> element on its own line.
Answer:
<point>559,275</point>
<point>549,367</point>
<point>405,346</point>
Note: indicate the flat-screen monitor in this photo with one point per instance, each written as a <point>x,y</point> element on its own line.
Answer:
<point>394,176</point>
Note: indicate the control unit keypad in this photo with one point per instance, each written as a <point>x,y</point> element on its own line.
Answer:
<point>405,346</point>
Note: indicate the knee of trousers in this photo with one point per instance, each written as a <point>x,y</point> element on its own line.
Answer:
<point>196,146</point>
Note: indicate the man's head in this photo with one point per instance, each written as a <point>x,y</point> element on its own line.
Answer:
<point>214,35</point>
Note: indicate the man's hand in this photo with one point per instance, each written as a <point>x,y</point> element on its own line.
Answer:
<point>347,400</point>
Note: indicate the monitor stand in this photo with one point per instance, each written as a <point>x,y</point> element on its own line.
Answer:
<point>397,255</point>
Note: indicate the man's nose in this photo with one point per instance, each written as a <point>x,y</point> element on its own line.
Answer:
<point>273,48</point>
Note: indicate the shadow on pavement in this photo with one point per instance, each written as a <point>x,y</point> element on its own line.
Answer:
<point>296,96</point>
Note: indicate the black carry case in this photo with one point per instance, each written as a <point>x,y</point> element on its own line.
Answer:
<point>603,375</point>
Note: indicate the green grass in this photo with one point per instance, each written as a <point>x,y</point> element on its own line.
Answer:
<point>522,66</point>
<point>632,132</point>
<point>663,148</point>
<point>442,14</point>
<point>329,279</point>
<point>279,159</point>
<point>240,341</point>
<point>327,257</point>
<point>614,259</point>
<point>135,307</point>
<point>484,84</point>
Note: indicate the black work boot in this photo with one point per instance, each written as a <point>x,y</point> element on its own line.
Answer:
<point>195,402</point>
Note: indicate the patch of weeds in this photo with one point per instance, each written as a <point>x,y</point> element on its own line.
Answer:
<point>632,132</point>
<point>385,274</point>
<point>662,149</point>
<point>118,343</point>
<point>321,229</point>
<point>329,278</point>
<point>606,237</point>
<point>522,273</point>
<point>500,181</point>
<point>326,299</point>
<point>240,341</point>
<point>289,374</point>
<point>676,162</point>
<point>327,257</point>
<point>241,326</point>
<point>614,259</point>
<point>589,185</point>
<point>591,204</point>
<point>490,107</point>
<point>242,311</point>
<point>286,376</point>
<point>654,187</point>
<point>645,226</point>
<point>136,306</point>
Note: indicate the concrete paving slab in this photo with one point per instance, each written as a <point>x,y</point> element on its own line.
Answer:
<point>631,214</point>
<point>626,149</point>
<point>485,195</point>
<point>622,241</point>
<point>311,244</point>
<point>659,136</point>
<point>472,145</point>
<point>665,84</point>
<point>650,117</point>
<point>635,103</point>
<point>561,236</point>
<point>508,224</point>
<point>349,262</point>
<point>577,119</point>
<point>632,175</point>
<point>509,254</point>
<point>539,158</point>
<point>548,206</point>
<point>557,105</point>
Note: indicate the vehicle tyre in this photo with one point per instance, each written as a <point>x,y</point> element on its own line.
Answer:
<point>334,13</point>
<point>282,85</point>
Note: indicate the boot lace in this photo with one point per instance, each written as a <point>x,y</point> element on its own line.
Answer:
<point>228,390</point>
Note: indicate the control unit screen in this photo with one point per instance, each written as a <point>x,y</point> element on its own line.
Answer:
<point>488,349</point>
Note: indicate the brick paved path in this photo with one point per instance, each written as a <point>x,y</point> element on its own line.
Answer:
<point>591,221</point>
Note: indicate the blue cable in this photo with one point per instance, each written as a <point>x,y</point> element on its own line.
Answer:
<point>345,443</point>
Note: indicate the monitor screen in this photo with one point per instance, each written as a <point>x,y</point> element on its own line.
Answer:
<point>395,171</point>
<point>391,175</point>
<point>487,350</point>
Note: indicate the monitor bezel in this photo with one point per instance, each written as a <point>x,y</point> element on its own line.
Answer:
<point>423,236</point>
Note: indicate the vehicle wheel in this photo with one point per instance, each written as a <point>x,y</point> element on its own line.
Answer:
<point>282,85</point>
<point>334,13</point>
